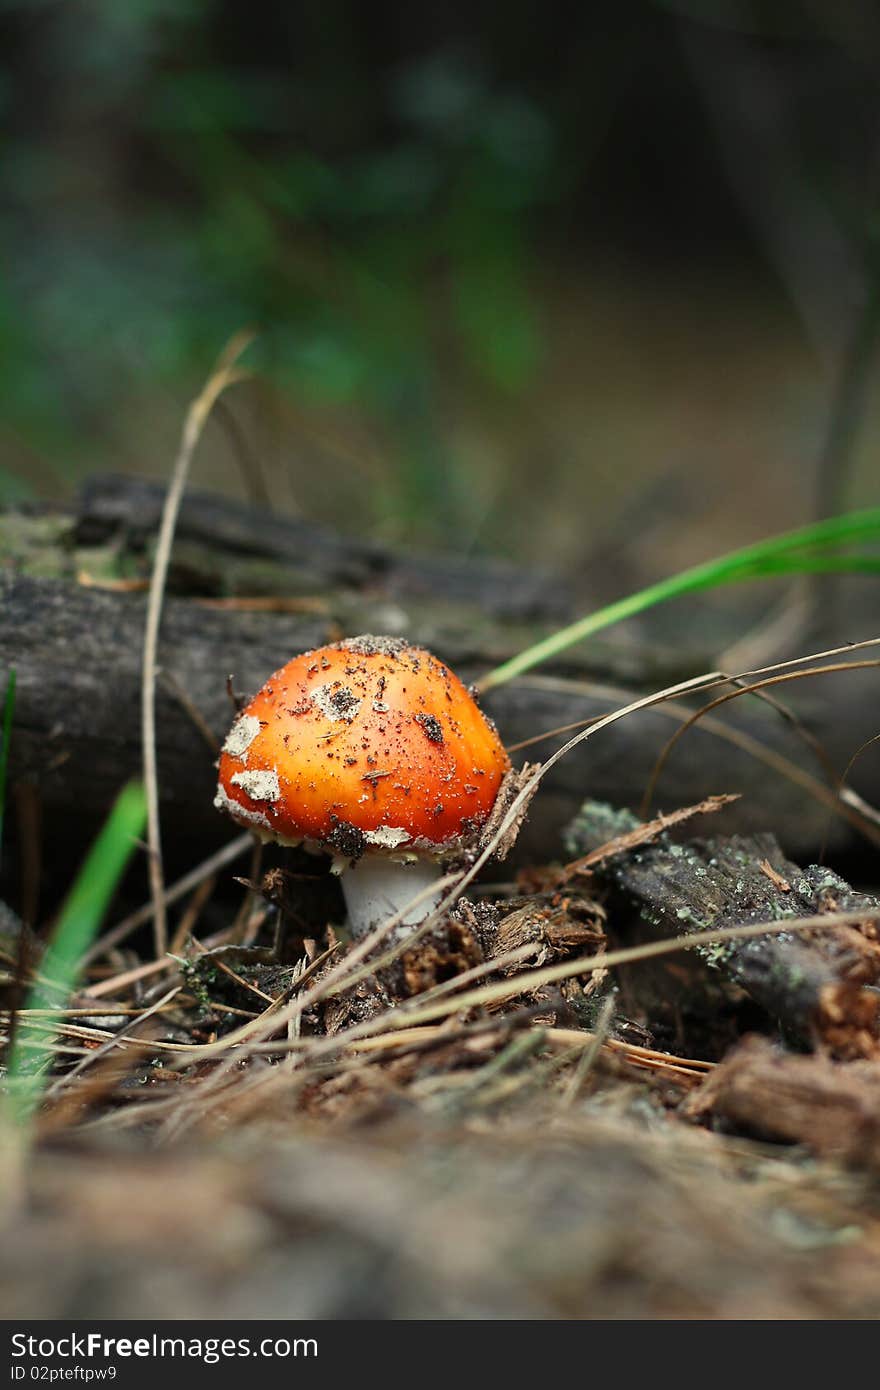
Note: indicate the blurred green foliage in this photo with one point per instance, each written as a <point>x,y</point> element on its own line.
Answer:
<point>398,197</point>
<point>166,197</point>
<point>78,923</point>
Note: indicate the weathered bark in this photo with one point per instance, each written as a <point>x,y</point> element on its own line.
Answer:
<point>228,548</point>
<point>77,651</point>
<point>832,1108</point>
<point>819,985</point>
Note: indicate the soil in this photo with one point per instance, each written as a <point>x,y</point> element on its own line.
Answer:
<point>552,1153</point>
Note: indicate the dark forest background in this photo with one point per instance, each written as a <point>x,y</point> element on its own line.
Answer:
<point>531,279</point>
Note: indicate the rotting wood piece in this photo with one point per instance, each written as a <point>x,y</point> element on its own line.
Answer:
<point>832,1108</point>
<point>557,924</point>
<point>364,1001</point>
<point>446,951</point>
<point>819,985</point>
<point>554,926</point>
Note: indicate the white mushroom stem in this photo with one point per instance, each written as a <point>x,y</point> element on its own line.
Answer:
<point>377,887</point>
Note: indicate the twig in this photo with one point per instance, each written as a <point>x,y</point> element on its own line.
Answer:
<point>850,396</point>
<point>225,374</point>
<point>248,460</point>
<point>63,1082</point>
<point>136,919</point>
<point>590,1055</point>
<point>197,719</point>
<point>840,804</point>
<point>643,834</point>
<point>191,914</point>
<point>243,916</point>
<point>863,824</point>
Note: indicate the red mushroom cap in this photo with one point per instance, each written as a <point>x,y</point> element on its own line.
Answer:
<point>366,744</point>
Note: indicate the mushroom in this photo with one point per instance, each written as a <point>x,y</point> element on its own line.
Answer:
<point>373,751</point>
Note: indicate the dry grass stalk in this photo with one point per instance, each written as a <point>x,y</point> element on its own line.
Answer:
<point>225,374</point>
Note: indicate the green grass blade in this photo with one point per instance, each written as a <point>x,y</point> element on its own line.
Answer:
<point>5,743</point>
<point>77,925</point>
<point>808,550</point>
<point>811,564</point>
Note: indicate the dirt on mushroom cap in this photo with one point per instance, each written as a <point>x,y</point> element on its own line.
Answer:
<point>368,734</point>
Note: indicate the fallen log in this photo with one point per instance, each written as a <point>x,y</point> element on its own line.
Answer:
<point>247,589</point>
<point>820,986</point>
